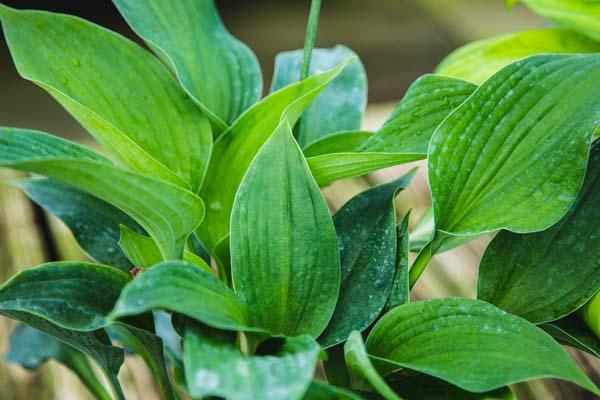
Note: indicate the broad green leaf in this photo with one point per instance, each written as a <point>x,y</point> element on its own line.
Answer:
<point>186,289</point>
<point>366,234</point>
<point>214,366</point>
<point>30,348</point>
<point>572,331</point>
<point>284,254</point>
<point>143,252</point>
<point>167,212</point>
<point>235,149</point>
<point>362,370</point>
<point>93,222</point>
<point>477,61</point>
<point>120,93</point>
<point>338,142</point>
<point>215,69</point>
<point>400,292</point>
<point>72,294</point>
<point>521,166</point>
<point>331,167</point>
<point>580,15</point>
<point>470,344</point>
<point>426,104</point>
<point>340,106</point>
<point>547,275</point>
<point>322,391</point>
<point>94,344</point>
<point>591,314</point>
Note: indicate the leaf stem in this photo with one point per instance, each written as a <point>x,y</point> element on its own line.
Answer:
<point>311,33</point>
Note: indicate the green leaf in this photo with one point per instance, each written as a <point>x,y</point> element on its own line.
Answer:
<point>167,212</point>
<point>139,114</point>
<point>338,142</point>
<point>572,331</point>
<point>362,370</point>
<point>331,167</point>
<point>580,15</point>
<point>235,149</point>
<point>217,70</point>
<point>93,222</point>
<point>144,253</point>
<point>186,289</point>
<point>223,370</point>
<point>340,106</point>
<point>400,292</point>
<point>426,104</point>
<point>72,294</point>
<point>521,166</point>
<point>547,275</point>
<point>366,234</point>
<point>30,348</point>
<point>591,314</point>
<point>470,344</point>
<point>477,61</point>
<point>322,391</point>
<point>284,253</point>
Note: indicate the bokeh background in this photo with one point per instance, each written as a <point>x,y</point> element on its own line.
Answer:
<point>397,40</point>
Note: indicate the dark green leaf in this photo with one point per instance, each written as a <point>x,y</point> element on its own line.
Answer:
<point>574,332</point>
<point>322,391</point>
<point>30,348</point>
<point>470,344</point>
<point>183,288</point>
<point>338,142</point>
<point>400,292</point>
<point>340,106</point>
<point>217,70</point>
<point>139,114</point>
<point>547,275</point>
<point>215,366</point>
<point>580,15</point>
<point>521,166</point>
<point>284,253</point>
<point>366,235</point>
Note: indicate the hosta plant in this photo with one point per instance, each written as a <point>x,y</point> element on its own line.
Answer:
<point>213,253</point>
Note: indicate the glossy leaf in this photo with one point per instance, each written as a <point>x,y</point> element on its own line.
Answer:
<point>186,289</point>
<point>72,294</point>
<point>338,142</point>
<point>477,61</point>
<point>572,331</point>
<point>139,114</point>
<point>167,212</point>
<point>547,275</point>
<point>93,222</point>
<point>340,106</point>
<point>214,366</point>
<point>366,234</point>
<point>470,344</point>
<point>520,168</point>
<point>591,314</point>
<point>236,148</point>
<point>580,15</point>
<point>400,292</point>
<point>426,104</point>
<point>217,70</point>
<point>31,348</point>
<point>283,242</point>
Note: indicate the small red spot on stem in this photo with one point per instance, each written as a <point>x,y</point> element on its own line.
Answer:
<point>135,271</point>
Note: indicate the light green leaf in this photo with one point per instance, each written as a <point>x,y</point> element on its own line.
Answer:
<point>340,106</point>
<point>167,212</point>
<point>338,142</point>
<point>572,331</point>
<point>426,104</point>
<point>331,167</point>
<point>284,373</point>
<point>470,344</point>
<point>235,149</point>
<point>591,314</point>
<point>366,234</point>
<point>72,294</point>
<point>547,275</point>
<point>217,70</point>
<point>521,166</point>
<point>362,370</point>
<point>30,348</point>
<point>400,292</point>
<point>140,114</point>
<point>283,242</point>
<point>93,222</point>
<point>322,391</point>
<point>477,61</point>
<point>186,289</point>
<point>580,15</point>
